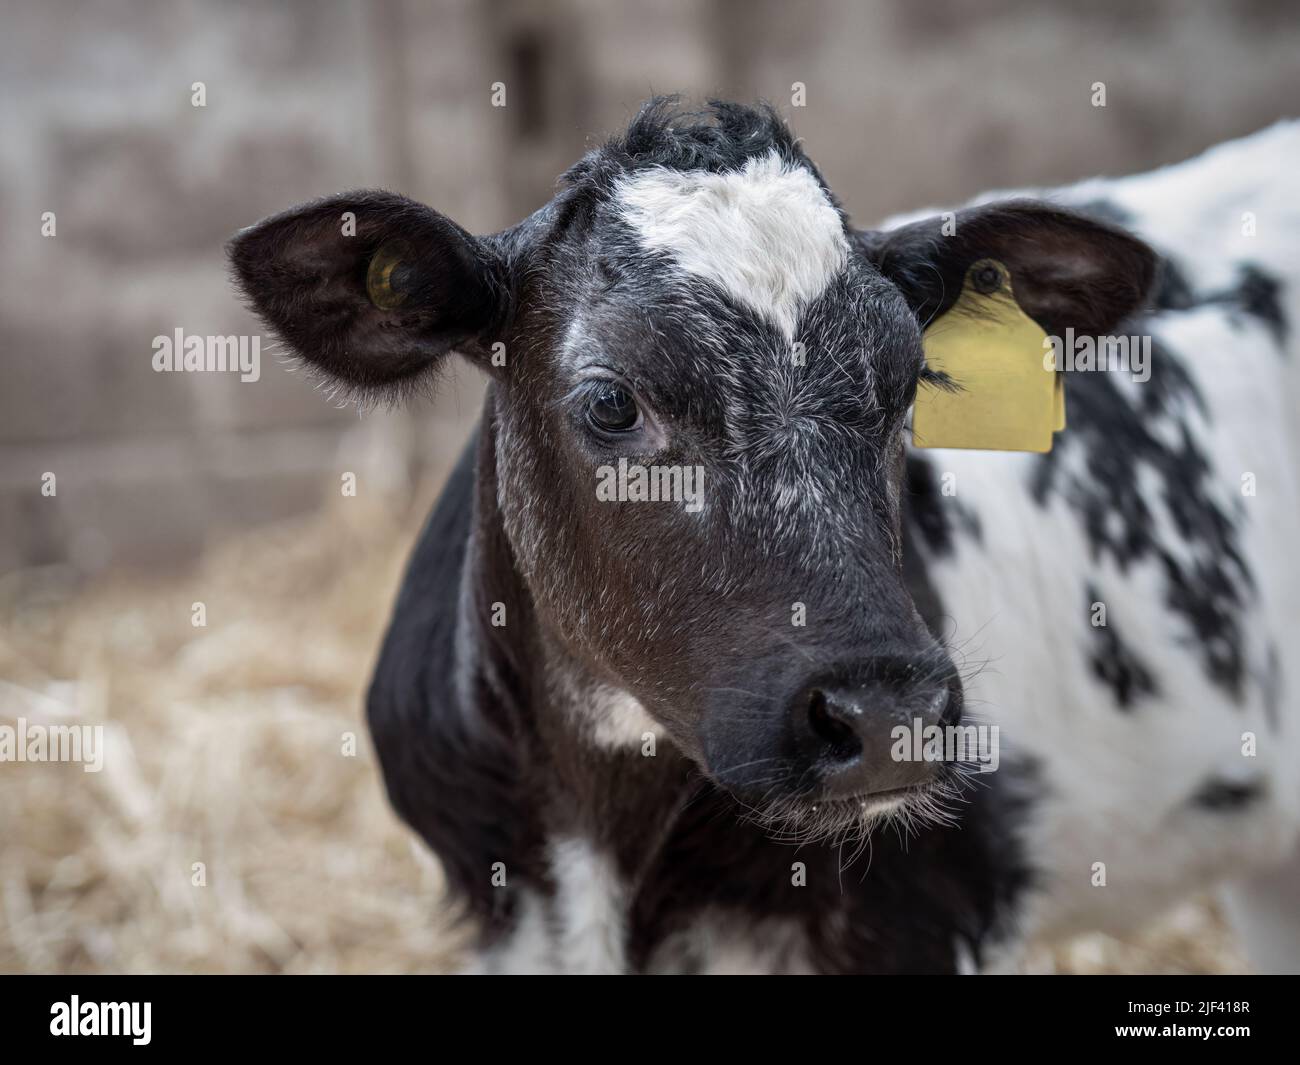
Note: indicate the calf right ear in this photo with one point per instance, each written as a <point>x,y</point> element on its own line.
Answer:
<point>1068,271</point>
<point>370,288</point>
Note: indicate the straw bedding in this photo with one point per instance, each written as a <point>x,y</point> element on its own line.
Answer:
<point>226,745</point>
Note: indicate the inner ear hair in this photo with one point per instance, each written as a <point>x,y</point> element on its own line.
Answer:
<point>1067,270</point>
<point>369,289</point>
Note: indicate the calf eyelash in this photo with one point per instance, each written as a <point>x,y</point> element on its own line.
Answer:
<point>938,379</point>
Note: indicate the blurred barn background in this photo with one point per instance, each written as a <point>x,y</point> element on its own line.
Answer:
<point>228,743</point>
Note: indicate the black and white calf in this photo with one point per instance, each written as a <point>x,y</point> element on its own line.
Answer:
<point>654,736</point>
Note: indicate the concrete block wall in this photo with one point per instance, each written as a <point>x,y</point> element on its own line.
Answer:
<point>906,104</point>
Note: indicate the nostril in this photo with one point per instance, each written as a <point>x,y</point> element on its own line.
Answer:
<point>830,729</point>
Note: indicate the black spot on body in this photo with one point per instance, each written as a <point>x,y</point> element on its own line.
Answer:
<point>1228,796</point>
<point>1173,290</point>
<point>929,513</point>
<point>1258,294</point>
<point>1272,687</point>
<point>1116,663</point>
<point>1207,582</point>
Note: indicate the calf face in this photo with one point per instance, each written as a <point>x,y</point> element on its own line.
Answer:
<point>693,309</point>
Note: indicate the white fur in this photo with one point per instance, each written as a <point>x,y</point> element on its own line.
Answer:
<point>616,720</point>
<point>591,905</point>
<point>722,944</point>
<point>581,930</point>
<point>527,950</point>
<point>1119,783</point>
<point>1194,209</point>
<point>767,234</point>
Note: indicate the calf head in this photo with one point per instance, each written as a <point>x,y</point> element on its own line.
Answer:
<point>693,315</point>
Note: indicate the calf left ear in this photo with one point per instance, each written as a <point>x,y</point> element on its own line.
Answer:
<point>1067,270</point>
<point>369,287</point>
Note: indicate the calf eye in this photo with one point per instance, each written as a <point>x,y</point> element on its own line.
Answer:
<point>613,410</point>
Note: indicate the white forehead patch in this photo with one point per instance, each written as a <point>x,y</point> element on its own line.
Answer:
<point>767,234</point>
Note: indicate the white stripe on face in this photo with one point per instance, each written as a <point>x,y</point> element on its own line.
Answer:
<point>767,234</point>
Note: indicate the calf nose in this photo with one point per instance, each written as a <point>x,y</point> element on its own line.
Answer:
<point>846,730</point>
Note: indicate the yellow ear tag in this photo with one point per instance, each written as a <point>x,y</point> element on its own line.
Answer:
<point>994,352</point>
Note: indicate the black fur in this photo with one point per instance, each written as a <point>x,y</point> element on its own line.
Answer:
<point>1210,594</point>
<point>1256,293</point>
<point>473,776</point>
<point>1259,295</point>
<point>456,768</point>
<point>1115,660</point>
<point>1067,271</point>
<point>479,728</point>
<point>1228,796</point>
<point>937,519</point>
<point>307,280</point>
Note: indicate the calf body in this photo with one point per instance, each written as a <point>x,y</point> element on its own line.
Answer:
<point>1166,740</point>
<point>498,751</point>
<point>657,734</point>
